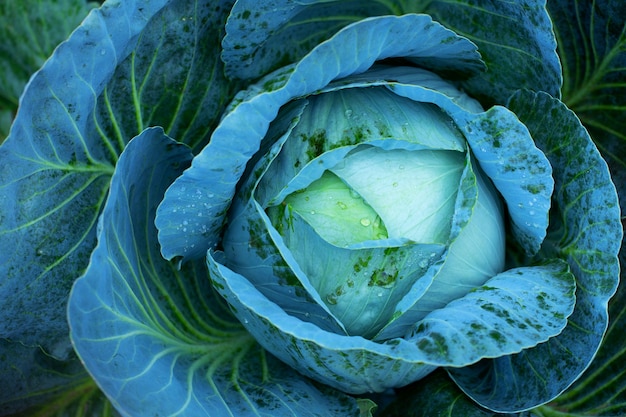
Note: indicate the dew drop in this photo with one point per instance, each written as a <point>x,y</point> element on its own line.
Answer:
<point>342,205</point>
<point>395,184</point>
<point>348,113</point>
<point>312,212</point>
<point>365,222</point>
<point>331,299</point>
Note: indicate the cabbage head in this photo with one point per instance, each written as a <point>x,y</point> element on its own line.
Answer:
<point>309,208</point>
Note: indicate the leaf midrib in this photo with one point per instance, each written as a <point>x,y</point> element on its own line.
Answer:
<point>575,97</point>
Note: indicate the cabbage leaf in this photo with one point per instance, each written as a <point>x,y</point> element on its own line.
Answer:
<point>159,340</point>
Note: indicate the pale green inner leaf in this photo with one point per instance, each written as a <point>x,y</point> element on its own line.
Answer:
<point>413,192</point>
<point>336,212</point>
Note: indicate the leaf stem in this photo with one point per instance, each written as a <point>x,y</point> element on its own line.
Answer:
<point>589,84</point>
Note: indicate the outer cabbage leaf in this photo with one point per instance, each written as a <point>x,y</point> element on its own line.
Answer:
<point>54,176</point>
<point>357,365</point>
<point>437,396</point>
<point>515,38</point>
<point>592,46</point>
<point>585,230</point>
<point>204,192</point>
<point>172,78</point>
<point>592,41</point>
<point>158,340</point>
<point>601,390</point>
<point>29,31</point>
<point>129,64</point>
<point>262,37</point>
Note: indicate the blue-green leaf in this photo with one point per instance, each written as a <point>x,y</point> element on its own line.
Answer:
<point>518,169</point>
<point>30,30</point>
<point>205,191</point>
<point>475,254</point>
<point>514,310</point>
<point>601,390</point>
<point>350,363</point>
<point>506,152</point>
<point>73,122</point>
<point>592,46</point>
<point>249,244</point>
<point>437,395</point>
<point>360,286</point>
<point>157,339</point>
<point>515,40</point>
<point>129,65</point>
<point>261,37</point>
<point>357,365</point>
<point>172,78</point>
<point>55,174</point>
<point>585,230</point>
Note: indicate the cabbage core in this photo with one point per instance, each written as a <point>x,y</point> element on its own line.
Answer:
<point>365,192</point>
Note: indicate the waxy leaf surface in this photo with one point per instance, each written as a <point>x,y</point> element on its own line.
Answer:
<point>158,339</point>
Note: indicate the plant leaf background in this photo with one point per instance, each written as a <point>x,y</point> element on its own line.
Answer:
<point>592,46</point>
<point>29,32</point>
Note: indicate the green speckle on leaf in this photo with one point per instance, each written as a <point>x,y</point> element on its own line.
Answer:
<point>497,336</point>
<point>316,143</point>
<point>534,188</point>
<point>383,277</point>
<point>362,263</point>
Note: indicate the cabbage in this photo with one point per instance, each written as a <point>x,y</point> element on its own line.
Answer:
<point>309,208</point>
